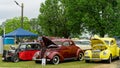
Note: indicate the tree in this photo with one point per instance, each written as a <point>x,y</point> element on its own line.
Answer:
<point>74,16</point>
<point>1,30</point>
<point>96,16</point>
<point>35,26</point>
<point>52,19</point>
<point>14,23</point>
<point>100,16</point>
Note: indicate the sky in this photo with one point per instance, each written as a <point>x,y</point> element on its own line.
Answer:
<point>9,9</point>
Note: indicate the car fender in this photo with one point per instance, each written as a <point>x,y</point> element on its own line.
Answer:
<point>118,51</point>
<point>79,51</point>
<point>52,54</point>
<point>107,55</point>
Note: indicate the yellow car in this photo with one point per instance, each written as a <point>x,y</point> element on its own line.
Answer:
<point>102,49</point>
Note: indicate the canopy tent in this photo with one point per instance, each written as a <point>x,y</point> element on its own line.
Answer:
<point>20,33</point>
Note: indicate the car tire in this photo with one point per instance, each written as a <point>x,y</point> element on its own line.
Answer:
<point>87,61</point>
<point>109,60</point>
<point>56,59</point>
<point>118,57</point>
<point>15,59</point>
<point>80,56</point>
<point>37,61</point>
<point>5,52</point>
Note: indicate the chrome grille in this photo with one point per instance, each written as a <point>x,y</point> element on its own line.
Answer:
<point>96,54</point>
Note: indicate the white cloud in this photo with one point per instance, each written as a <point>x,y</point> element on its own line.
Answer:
<point>8,8</point>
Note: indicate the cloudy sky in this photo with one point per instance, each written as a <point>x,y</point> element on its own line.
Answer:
<point>9,9</point>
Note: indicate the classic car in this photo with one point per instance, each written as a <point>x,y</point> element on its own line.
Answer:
<point>24,51</point>
<point>58,50</point>
<point>84,44</point>
<point>104,49</point>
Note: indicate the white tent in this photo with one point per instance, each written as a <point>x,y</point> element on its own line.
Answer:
<point>1,45</point>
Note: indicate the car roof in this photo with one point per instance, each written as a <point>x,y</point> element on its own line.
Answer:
<point>82,40</point>
<point>30,43</point>
<point>61,39</point>
<point>108,39</point>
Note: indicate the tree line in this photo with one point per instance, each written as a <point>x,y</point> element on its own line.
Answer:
<point>65,18</point>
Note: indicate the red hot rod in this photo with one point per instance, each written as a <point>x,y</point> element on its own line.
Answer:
<point>24,51</point>
<point>58,50</point>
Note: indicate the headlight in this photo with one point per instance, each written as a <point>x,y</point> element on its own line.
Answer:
<point>86,53</point>
<point>104,53</point>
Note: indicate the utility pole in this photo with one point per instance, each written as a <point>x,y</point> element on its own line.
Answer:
<point>22,6</point>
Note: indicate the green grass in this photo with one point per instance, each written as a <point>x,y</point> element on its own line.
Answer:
<point>32,64</point>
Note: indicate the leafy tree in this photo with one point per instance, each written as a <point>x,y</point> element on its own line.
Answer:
<point>100,16</point>
<point>14,23</point>
<point>96,16</point>
<point>1,30</point>
<point>35,26</point>
<point>52,19</point>
<point>74,16</point>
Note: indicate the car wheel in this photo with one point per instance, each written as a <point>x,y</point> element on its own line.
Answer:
<point>119,57</point>
<point>56,59</point>
<point>37,61</point>
<point>109,60</point>
<point>15,59</point>
<point>87,61</point>
<point>80,56</point>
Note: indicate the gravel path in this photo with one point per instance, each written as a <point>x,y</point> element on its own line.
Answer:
<point>114,64</point>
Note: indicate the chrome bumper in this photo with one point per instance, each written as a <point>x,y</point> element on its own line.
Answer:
<point>40,59</point>
<point>93,59</point>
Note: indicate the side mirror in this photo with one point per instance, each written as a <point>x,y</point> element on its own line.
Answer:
<point>12,47</point>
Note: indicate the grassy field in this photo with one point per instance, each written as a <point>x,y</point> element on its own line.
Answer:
<point>32,64</point>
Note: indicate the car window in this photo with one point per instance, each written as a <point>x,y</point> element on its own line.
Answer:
<point>28,46</point>
<point>58,42</point>
<point>82,42</point>
<point>112,42</point>
<point>35,46</point>
<point>107,42</point>
<point>22,46</point>
<point>66,44</point>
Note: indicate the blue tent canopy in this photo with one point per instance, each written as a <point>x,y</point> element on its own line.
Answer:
<point>20,33</point>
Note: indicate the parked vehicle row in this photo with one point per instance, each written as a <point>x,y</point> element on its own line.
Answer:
<point>56,50</point>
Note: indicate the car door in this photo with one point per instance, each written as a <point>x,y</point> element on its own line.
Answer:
<point>113,48</point>
<point>65,50</point>
<point>28,53</point>
<point>73,49</point>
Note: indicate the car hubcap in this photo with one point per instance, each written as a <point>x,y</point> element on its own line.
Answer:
<point>110,60</point>
<point>80,56</point>
<point>56,60</point>
<point>16,59</point>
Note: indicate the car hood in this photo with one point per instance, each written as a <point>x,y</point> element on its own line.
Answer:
<point>97,41</point>
<point>47,41</point>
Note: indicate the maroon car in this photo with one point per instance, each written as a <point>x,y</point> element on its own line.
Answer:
<point>58,50</point>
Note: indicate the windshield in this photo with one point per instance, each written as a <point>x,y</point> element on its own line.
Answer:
<point>58,42</point>
<point>82,42</point>
<point>107,42</point>
<point>30,46</point>
<point>23,46</point>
